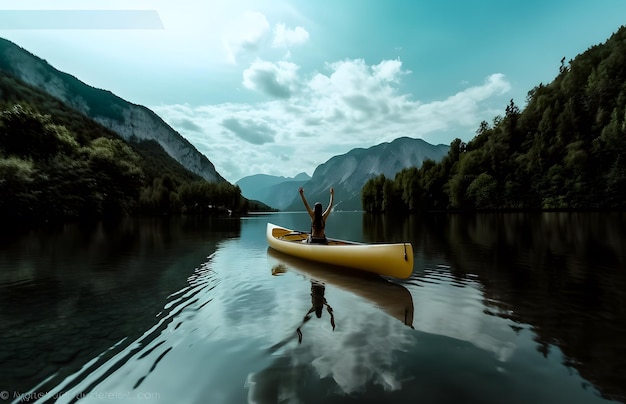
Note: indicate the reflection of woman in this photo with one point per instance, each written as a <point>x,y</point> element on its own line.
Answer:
<point>318,301</point>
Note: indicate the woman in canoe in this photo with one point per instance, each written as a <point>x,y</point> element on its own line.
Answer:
<point>318,218</point>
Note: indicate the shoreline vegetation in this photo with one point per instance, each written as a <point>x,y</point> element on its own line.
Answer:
<point>565,151</point>
<point>50,173</point>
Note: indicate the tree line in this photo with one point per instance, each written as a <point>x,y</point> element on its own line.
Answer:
<point>565,150</point>
<point>50,173</point>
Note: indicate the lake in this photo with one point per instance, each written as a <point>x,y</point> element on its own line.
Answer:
<point>515,307</point>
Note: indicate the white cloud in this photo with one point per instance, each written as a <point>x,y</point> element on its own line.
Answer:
<point>350,77</point>
<point>388,70</point>
<point>313,118</point>
<point>249,34</point>
<point>251,131</point>
<point>285,37</point>
<point>273,79</point>
<point>245,34</point>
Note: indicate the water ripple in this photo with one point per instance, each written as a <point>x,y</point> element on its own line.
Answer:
<point>153,342</point>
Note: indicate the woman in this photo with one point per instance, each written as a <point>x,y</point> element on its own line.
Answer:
<point>318,219</point>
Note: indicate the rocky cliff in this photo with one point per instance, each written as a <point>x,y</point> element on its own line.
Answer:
<point>130,121</point>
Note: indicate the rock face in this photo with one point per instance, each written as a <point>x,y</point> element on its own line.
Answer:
<point>348,173</point>
<point>141,123</point>
<point>129,120</point>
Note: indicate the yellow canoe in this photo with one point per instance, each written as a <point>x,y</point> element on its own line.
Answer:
<point>394,260</point>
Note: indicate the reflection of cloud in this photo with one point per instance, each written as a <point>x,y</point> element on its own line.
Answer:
<point>462,310</point>
<point>353,368</point>
<point>357,355</point>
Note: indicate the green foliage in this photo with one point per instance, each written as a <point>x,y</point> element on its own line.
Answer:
<point>16,186</point>
<point>565,150</point>
<point>116,173</point>
<point>47,173</point>
<point>372,194</point>
<point>482,191</point>
<point>165,197</point>
<point>26,134</point>
<point>61,165</point>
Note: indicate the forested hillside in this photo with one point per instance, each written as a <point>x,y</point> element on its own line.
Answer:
<point>565,150</point>
<point>128,120</point>
<point>57,164</point>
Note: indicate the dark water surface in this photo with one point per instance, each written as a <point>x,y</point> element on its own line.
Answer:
<point>516,308</point>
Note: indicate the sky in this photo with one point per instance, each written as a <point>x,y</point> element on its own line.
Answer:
<point>279,87</point>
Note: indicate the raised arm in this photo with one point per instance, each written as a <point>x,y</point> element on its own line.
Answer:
<point>330,204</point>
<point>306,204</point>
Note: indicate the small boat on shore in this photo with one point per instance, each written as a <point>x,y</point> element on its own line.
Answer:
<point>392,259</point>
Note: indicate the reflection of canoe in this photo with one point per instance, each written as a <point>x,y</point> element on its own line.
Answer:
<point>392,298</point>
<point>395,260</point>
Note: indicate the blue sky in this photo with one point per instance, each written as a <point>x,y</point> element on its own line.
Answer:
<point>279,87</point>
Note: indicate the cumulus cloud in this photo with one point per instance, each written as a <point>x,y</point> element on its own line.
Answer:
<point>388,70</point>
<point>253,132</point>
<point>465,105</point>
<point>285,37</point>
<point>310,119</point>
<point>273,79</point>
<point>358,91</point>
<point>250,33</point>
<point>245,34</point>
<point>350,77</point>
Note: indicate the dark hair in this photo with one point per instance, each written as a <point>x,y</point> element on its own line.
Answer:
<point>317,298</point>
<point>317,220</point>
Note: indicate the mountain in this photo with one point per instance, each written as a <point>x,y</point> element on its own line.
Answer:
<point>348,172</point>
<point>128,120</point>
<point>274,191</point>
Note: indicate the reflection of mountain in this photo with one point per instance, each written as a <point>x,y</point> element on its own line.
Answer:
<point>560,273</point>
<point>392,298</point>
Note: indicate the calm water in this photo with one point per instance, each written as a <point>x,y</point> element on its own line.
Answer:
<point>513,308</point>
